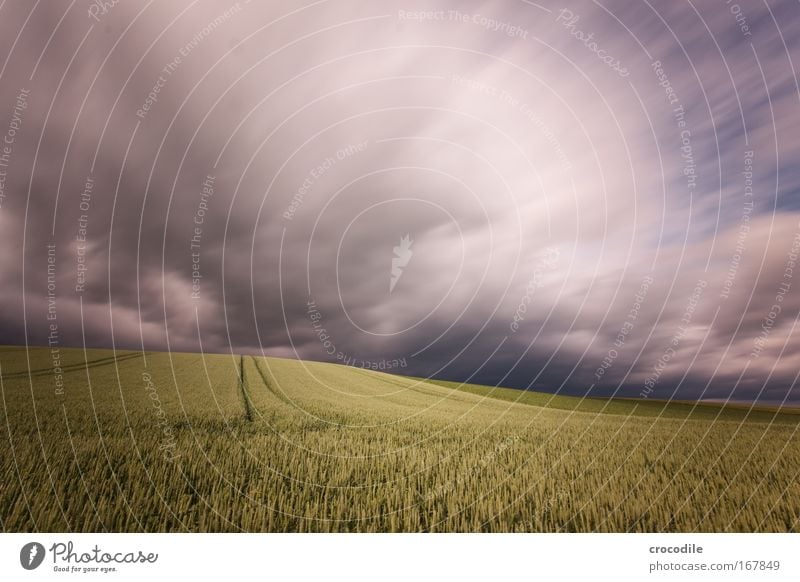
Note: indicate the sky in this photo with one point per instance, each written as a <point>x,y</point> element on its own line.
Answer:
<point>591,198</point>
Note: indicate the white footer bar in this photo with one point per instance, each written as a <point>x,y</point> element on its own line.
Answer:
<point>371,557</point>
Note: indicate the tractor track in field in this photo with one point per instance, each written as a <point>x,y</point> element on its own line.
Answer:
<point>278,393</point>
<point>248,406</point>
<point>77,367</point>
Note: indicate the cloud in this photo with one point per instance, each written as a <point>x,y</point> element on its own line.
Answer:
<point>248,159</point>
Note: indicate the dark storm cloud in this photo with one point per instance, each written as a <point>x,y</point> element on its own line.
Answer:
<point>228,163</point>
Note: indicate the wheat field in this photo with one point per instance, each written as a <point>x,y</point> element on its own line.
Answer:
<point>161,442</point>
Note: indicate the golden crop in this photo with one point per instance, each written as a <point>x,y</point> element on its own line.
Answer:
<point>181,442</point>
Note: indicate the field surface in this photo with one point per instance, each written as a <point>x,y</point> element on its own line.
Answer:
<point>182,442</point>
